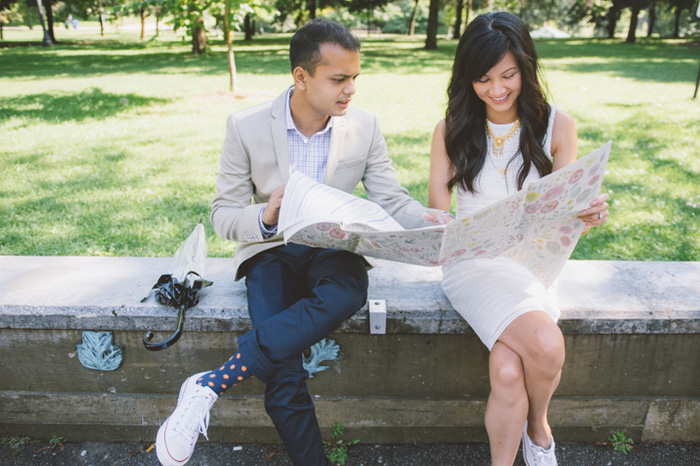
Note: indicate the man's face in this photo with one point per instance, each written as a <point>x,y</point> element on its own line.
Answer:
<point>330,89</point>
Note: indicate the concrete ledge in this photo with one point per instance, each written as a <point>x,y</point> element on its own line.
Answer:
<point>632,331</point>
<point>242,419</point>
<point>600,297</point>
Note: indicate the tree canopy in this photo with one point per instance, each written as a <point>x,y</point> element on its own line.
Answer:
<point>434,18</point>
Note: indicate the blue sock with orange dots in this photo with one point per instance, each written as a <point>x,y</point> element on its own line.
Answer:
<point>226,376</point>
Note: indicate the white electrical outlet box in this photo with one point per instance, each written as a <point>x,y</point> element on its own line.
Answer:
<point>377,316</point>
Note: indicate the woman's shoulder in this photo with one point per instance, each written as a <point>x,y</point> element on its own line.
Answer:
<point>438,144</point>
<point>441,126</point>
<point>564,137</point>
<point>562,119</point>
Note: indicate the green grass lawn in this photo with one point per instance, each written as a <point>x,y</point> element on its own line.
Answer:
<point>111,146</point>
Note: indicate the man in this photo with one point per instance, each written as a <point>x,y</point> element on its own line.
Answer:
<point>297,295</point>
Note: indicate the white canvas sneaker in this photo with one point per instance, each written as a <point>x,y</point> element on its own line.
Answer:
<point>178,435</point>
<point>535,455</point>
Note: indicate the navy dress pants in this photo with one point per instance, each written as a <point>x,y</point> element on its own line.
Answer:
<point>297,295</point>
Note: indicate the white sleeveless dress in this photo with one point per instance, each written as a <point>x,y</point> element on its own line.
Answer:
<point>491,293</point>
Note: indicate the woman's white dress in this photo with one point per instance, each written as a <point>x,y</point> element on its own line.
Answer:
<point>491,293</point>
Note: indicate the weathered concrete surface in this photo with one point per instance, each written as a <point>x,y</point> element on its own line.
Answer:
<point>92,292</point>
<point>93,417</point>
<point>408,365</point>
<point>632,331</point>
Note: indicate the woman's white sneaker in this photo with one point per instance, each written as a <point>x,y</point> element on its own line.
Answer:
<point>178,435</point>
<point>535,455</point>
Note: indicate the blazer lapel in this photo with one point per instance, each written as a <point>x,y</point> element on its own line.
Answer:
<point>278,126</point>
<point>336,149</point>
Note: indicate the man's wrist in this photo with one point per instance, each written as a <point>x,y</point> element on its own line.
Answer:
<point>266,230</point>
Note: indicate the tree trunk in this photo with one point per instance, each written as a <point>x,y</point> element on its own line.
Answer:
<point>632,33</point>
<point>431,40</point>
<point>613,15</point>
<point>457,31</point>
<point>47,39</point>
<point>49,20</point>
<point>652,18</point>
<point>248,27</point>
<point>142,10</point>
<point>369,21</point>
<point>677,23</point>
<point>199,37</point>
<point>312,8</point>
<point>101,9</point>
<point>229,46</point>
<point>469,9</point>
<point>414,17</point>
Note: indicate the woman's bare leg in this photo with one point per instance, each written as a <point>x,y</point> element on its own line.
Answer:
<point>540,344</point>
<point>507,406</point>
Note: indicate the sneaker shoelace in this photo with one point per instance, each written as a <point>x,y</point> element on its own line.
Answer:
<point>194,419</point>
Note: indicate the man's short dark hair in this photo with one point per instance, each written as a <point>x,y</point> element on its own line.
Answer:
<point>304,48</point>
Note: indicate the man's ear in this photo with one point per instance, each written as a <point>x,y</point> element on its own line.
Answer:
<point>300,75</point>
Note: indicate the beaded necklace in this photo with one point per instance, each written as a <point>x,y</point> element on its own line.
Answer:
<point>499,141</point>
<point>498,146</point>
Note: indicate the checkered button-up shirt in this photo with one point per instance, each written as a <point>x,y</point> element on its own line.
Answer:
<point>307,155</point>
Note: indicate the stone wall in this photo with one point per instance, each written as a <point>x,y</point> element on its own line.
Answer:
<point>632,332</point>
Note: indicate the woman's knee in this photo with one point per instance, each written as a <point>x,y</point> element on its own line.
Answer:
<point>505,370</point>
<point>548,351</point>
<point>539,342</point>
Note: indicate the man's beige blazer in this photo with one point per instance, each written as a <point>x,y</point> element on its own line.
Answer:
<point>255,160</point>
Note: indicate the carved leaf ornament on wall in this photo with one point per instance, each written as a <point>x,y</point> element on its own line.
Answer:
<point>324,350</point>
<point>97,351</point>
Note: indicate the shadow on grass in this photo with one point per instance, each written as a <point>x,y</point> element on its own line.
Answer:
<point>671,237</point>
<point>100,58</point>
<point>411,58</point>
<point>661,218</point>
<point>102,208</point>
<point>89,104</point>
<point>651,60</point>
<point>53,225</point>
<point>661,61</point>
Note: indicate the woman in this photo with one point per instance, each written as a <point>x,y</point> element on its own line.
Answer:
<point>498,135</point>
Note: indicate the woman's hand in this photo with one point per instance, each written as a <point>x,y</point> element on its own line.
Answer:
<point>438,218</point>
<point>597,213</point>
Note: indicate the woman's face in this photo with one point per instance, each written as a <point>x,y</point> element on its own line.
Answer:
<point>499,88</point>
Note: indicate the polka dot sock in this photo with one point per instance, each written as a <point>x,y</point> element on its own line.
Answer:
<point>226,376</point>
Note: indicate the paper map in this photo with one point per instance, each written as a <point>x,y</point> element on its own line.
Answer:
<point>536,227</point>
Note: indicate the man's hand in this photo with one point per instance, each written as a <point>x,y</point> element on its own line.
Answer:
<point>437,218</point>
<point>271,212</point>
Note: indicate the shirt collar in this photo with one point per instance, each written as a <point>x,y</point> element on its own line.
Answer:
<point>290,121</point>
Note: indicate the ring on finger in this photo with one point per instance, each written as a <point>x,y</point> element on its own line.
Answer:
<point>600,215</point>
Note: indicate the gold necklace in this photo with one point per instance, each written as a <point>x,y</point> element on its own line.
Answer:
<point>500,141</point>
<point>501,171</point>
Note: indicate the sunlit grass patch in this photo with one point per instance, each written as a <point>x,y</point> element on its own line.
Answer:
<point>111,146</point>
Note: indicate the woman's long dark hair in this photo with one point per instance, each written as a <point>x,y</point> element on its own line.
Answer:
<point>484,44</point>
